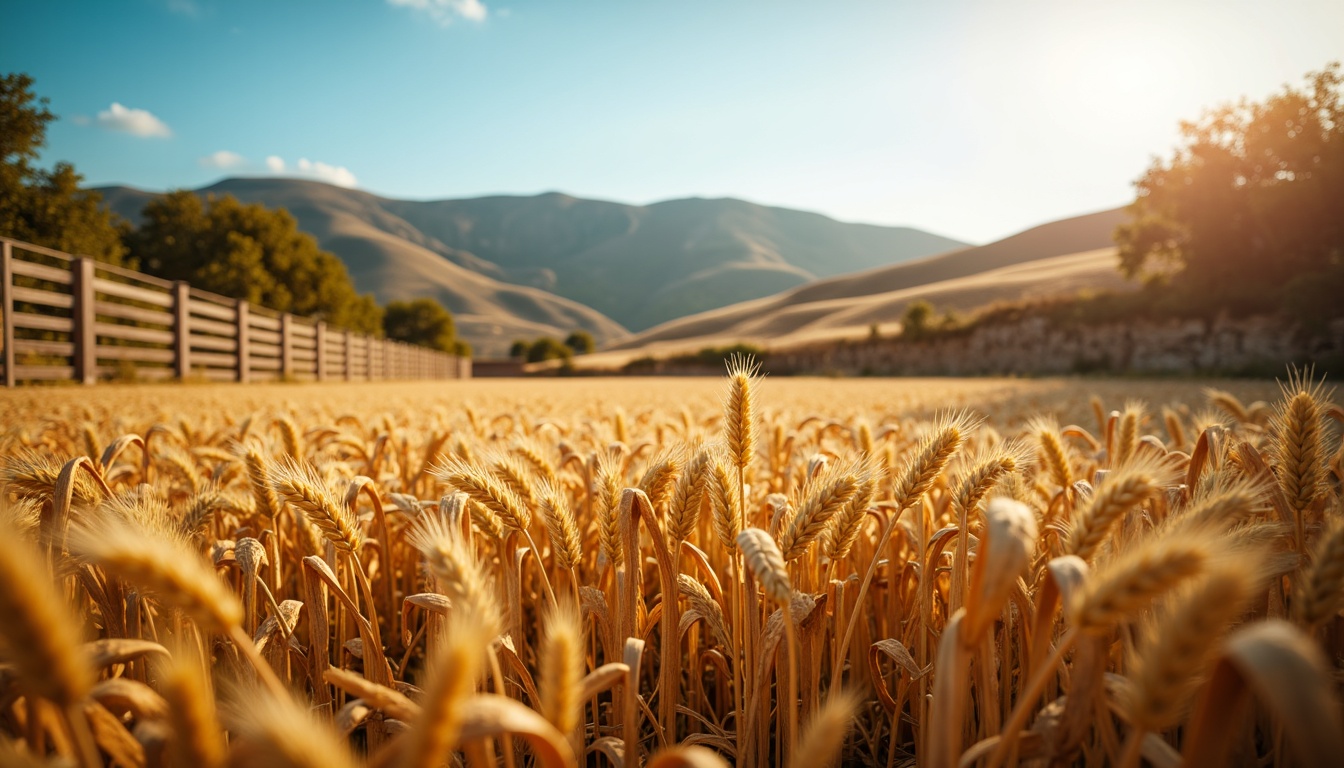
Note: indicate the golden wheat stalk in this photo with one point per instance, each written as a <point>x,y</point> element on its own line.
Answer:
<point>196,736</point>
<point>1321,591</point>
<point>1122,491</point>
<point>561,527</point>
<point>827,496</point>
<point>451,679</point>
<point>41,639</point>
<point>739,409</point>
<point>457,572</point>
<point>683,511</point>
<point>300,485</point>
<point>727,511</point>
<point>486,489</point>
<point>561,663</point>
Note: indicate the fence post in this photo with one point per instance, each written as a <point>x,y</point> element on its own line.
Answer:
<point>7,308</point>
<point>349,356</point>
<point>286,345</point>
<point>82,317</point>
<point>244,368</point>
<point>321,340</point>
<point>181,330</point>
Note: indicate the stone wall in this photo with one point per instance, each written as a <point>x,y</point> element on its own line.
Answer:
<point>1034,346</point>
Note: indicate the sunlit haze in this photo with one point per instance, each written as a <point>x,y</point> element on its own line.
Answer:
<point>971,120</point>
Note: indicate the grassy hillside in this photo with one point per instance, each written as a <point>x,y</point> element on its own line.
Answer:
<point>1051,259</point>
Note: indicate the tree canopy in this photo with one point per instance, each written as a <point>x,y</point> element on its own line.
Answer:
<point>581,342</point>
<point>917,317</point>
<point>423,321</point>
<point>47,207</point>
<point>1249,210</point>
<point>547,348</point>
<point>249,252</point>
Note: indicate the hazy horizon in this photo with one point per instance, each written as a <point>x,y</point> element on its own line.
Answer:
<point>970,120</point>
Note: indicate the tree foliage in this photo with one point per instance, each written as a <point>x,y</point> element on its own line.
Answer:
<point>915,321</point>
<point>1250,207</point>
<point>249,252</point>
<point>547,348</point>
<point>47,207</point>
<point>581,342</point>
<point>424,322</point>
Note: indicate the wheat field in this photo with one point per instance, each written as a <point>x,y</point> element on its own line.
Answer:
<point>699,572</point>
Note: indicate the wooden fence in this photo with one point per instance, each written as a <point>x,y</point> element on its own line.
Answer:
<point>73,318</point>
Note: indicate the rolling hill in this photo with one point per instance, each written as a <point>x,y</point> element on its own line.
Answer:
<point>1052,259</point>
<point>389,258</point>
<point>644,265</point>
<point>510,267</point>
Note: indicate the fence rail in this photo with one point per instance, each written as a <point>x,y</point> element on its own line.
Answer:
<point>70,317</point>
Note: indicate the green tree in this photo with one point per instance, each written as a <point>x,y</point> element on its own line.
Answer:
<point>424,322</point>
<point>519,348</point>
<point>249,252</point>
<point>547,348</point>
<point>1248,209</point>
<point>581,342</point>
<point>915,320</point>
<point>47,207</point>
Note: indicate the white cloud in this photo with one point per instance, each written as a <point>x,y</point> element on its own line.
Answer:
<point>446,11</point>
<point>137,122</point>
<point>338,175</point>
<point>332,174</point>
<point>222,159</point>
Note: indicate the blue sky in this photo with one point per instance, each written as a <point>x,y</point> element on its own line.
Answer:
<point>971,119</point>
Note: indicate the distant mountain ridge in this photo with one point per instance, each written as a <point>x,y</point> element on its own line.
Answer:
<point>643,265</point>
<point>510,267</point>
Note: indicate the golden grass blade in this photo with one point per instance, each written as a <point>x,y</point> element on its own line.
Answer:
<point>40,637</point>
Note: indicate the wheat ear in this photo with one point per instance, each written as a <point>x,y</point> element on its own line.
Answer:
<point>827,496</point>
<point>824,735</point>
<point>739,428</point>
<point>196,739</point>
<point>683,511</point>
<point>458,574</point>
<point>300,485</point>
<point>488,490</point>
<point>766,563</point>
<point>561,527</point>
<point>1171,663</point>
<point>275,731</point>
<point>452,672</point>
<point>561,669</point>
<point>1322,586</point>
<point>1120,492</point>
